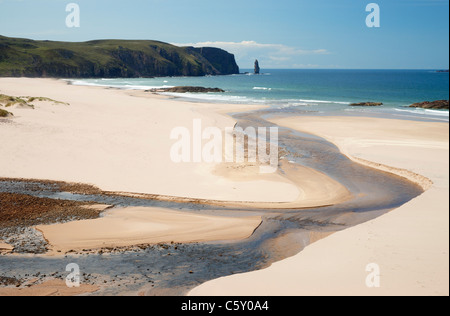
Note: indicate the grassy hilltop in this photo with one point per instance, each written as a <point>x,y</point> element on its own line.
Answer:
<point>109,59</point>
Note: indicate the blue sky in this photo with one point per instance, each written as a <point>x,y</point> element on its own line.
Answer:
<point>281,34</point>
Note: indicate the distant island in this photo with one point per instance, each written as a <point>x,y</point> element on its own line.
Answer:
<point>110,59</point>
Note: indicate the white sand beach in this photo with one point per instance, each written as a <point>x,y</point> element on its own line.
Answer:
<point>119,141</point>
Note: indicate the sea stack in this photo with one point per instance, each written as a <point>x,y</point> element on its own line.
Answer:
<point>257,69</point>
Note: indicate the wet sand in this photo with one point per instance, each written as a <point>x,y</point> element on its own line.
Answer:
<point>49,288</point>
<point>140,225</point>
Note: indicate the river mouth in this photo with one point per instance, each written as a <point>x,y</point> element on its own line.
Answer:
<point>174,269</point>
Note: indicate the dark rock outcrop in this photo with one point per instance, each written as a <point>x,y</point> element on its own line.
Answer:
<point>186,89</point>
<point>222,62</point>
<point>110,59</point>
<point>435,105</point>
<point>257,68</point>
<point>367,104</point>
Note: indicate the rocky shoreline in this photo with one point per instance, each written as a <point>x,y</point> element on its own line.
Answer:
<point>187,89</point>
<point>434,105</point>
<point>367,104</point>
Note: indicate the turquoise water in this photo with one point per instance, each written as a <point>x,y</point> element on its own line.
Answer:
<point>316,91</point>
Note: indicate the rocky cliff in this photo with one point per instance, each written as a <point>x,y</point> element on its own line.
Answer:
<point>110,59</point>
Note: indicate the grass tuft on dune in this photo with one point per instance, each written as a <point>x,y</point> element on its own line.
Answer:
<point>26,101</point>
<point>4,113</point>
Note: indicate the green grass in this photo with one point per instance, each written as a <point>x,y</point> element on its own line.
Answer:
<point>8,101</point>
<point>106,58</point>
<point>6,98</point>
<point>4,113</point>
<point>44,99</point>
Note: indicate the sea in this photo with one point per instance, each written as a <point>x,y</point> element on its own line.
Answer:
<point>312,92</point>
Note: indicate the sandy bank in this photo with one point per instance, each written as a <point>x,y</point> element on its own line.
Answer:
<point>5,248</point>
<point>140,225</point>
<point>410,245</point>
